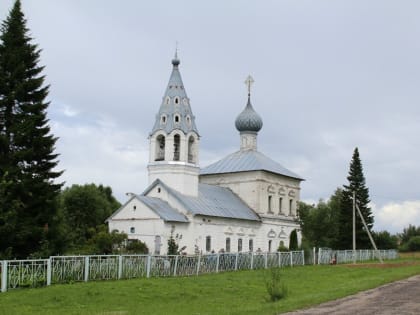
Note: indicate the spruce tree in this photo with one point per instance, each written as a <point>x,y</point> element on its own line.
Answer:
<point>293,243</point>
<point>357,184</point>
<point>27,158</point>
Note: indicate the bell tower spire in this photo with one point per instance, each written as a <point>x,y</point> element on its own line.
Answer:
<point>174,139</point>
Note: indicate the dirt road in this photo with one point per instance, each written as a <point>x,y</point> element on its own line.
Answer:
<point>397,298</point>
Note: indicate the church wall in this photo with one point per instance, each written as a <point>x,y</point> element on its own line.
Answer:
<point>255,188</point>
<point>177,175</point>
<point>219,229</point>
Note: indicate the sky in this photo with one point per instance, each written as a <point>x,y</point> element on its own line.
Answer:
<point>329,76</point>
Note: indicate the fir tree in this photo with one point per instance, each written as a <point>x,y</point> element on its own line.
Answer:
<point>356,184</point>
<point>293,243</point>
<point>27,158</point>
<point>172,246</point>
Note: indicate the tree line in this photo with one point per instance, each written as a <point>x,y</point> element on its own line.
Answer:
<point>330,223</point>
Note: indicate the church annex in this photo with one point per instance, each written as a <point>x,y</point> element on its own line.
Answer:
<point>244,202</point>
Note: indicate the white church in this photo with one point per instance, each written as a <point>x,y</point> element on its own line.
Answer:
<point>244,202</point>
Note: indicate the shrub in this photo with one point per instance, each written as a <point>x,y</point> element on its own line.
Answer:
<point>413,244</point>
<point>276,288</point>
<point>136,247</point>
<point>293,245</point>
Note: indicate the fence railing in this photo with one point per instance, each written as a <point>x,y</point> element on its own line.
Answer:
<point>327,256</point>
<point>64,269</point>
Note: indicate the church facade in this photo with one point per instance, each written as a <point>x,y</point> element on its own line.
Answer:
<point>243,202</point>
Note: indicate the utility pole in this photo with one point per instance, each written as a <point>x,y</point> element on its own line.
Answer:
<point>354,227</point>
<point>370,235</point>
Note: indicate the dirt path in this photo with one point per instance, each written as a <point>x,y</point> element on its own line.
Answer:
<point>401,297</point>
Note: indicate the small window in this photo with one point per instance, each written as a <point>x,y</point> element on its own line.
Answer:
<point>177,144</point>
<point>208,243</point>
<point>168,100</point>
<point>239,244</point>
<point>270,199</point>
<point>188,120</point>
<point>228,244</point>
<point>280,205</point>
<point>134,208</point>
<point>291,207</point>
<point>269,245</point>
<point>132,230</point>
<point>176,118</point>
<point>159,190</point>
<point>251,245</point>
<point>177,100</point>
<point>163,119</point>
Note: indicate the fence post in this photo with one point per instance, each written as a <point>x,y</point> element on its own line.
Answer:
<point>279,260</point>
<point>217,262</point>
<point>4,276</point>
<point>86,268</point>
<point>176,264</point>
<point>303,258</point>
<point>120,262</point>
<point>198,263</point>
<point>149,258</point>
<point>49,271</point>
<point>291,259</point>
<point>236,261</point>
<point>252,260</point>
<point>265,260</point>
<point>319,255</point>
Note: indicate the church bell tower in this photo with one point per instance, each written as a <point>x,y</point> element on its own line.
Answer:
<point>174,140</point>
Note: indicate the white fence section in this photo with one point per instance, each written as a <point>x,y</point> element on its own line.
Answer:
<point>327,256</point>
<point>64,269</point>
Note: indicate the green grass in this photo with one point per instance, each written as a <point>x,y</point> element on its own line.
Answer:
<point>242,292</point>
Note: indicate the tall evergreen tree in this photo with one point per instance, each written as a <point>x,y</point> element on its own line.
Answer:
<point>357,184</point>
<point>27,158</point>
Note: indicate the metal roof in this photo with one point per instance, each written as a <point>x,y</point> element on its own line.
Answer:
<point>163,209</point>
<point>245,161</point>
<point>175,102</point>
<point>217,202</point>
<point>212,201</point>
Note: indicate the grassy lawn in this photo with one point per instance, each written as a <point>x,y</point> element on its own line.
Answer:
<point>241,292</point>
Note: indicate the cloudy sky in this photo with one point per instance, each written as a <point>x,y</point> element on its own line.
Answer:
<point>329,76</point>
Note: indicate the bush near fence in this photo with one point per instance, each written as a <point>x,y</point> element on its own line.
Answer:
<point>66,269</point>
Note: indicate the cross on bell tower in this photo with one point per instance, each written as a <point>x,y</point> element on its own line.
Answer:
<point>249,81</point>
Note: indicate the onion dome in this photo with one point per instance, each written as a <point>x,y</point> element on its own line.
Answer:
<point>248,120</point>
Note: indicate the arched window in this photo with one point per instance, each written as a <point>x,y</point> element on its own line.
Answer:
<point>228,244</point>
<point>291,207</point>
<point>177,145</point>
<point>251,245</point>
<point>269,245</point>
<point>239,244</point>
<point>160,148</point>
<point>270,204</point>
<point>280,205</point>
<point>208,243</point>
<point>191,147</point>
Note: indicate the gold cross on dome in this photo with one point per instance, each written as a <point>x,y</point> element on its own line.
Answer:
<point>249,80</point>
